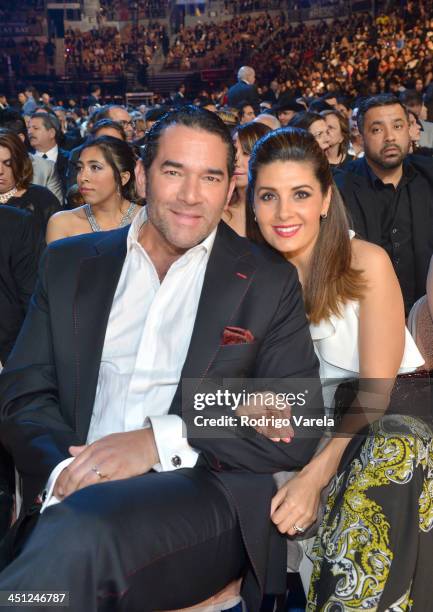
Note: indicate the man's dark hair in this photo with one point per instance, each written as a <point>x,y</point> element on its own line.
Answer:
<point>95,88</point>
<point>305,120</point>
<point>50,122</point>
<point>318,106</point>
<point>344,101</point>
<point>411,98</point>
<point>192,117</point>
<point>99,113</point>
<point>155,114</point>
<point>329,96</point>
<point>242,105</point>
<point>375,102</point>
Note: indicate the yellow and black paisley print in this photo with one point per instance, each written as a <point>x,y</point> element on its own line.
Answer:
<point>374,549</point>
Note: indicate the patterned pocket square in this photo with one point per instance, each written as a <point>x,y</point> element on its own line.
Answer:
<point>236,335</point>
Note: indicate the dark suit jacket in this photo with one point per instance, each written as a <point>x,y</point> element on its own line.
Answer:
<point>48,387</point>
<point>242,92</point>
<point>360,199</point>
<point>62,166</point>
<point>18,266</point>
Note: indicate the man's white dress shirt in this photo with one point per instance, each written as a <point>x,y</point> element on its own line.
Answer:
<point>51,154</point>
<point>148,334</point>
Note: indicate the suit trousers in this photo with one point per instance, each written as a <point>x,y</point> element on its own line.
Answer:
<point>155,542</point>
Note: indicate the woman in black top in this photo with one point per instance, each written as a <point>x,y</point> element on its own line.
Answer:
<point>18,267</point>
<point>16,173</point>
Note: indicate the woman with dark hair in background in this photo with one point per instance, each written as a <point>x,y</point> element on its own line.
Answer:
<point>315,124</point>
<point>16,189</point>
<point>339,136</point>
<point>415,129</point>
<point>244,140</point>
<point>106,181</point>
<point>379,481</point>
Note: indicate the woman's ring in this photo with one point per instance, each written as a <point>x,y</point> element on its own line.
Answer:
<point>97,472</point>
<point>299,529</point>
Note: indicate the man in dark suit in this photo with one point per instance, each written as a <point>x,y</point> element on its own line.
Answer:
<point>389,194</point>
<point>94,98</point>
<point>244,90</point>
<point>179,98</point>
<point>44,134</point>
<point>18,267</point>
<point>93,395</point>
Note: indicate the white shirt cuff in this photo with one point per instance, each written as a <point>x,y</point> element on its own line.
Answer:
<point>173,448</point>
<point>48,497</point>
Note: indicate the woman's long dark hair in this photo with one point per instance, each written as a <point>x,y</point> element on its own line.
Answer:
<point>331,280</point>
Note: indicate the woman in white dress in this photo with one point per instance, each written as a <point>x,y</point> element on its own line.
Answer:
<point>378,521</point>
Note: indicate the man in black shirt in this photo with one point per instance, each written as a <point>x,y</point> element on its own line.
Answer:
<point>390,194</point>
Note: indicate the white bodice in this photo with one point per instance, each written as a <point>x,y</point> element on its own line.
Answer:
<point>336,345</point>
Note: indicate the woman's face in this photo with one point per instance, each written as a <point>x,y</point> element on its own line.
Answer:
<point>7,179</point>
<point>241,167</point>
<point>288,202</point>
<point>95,177</point>
<point>414,129</point>
<point>334,130</point>
<point>319,129</point>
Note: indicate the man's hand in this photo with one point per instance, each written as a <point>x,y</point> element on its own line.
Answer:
<point>114,457</point>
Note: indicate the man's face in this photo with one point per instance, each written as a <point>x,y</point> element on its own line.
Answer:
<point>41,138</point>
<point>251,77</point>
<point>187,186</point>
<point>248,114</point>
<point>285,116</point>
<point>332,102</point>
<point>386,136</point>
<point>121,115</point>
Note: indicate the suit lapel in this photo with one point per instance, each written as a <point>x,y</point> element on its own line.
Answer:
<point>229,273</point>
<point>96,286</point>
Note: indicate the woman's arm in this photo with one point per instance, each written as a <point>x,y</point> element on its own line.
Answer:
<point>381,346</point>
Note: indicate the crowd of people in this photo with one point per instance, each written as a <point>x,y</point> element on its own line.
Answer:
<point>343,192</point>
<point>107,51</point>
<point>122,10</point>
<point>358,55</point>
<point>274,234</point>
<point>221,44</point>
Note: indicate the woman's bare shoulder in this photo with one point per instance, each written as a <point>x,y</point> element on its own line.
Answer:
<point>64,217</point>
<point>369,257</point>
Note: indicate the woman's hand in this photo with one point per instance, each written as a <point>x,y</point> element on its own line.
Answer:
<point>296,504</point>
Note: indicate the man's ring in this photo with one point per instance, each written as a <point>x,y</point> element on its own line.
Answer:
<point>97,472</point>
<point>299,529</point>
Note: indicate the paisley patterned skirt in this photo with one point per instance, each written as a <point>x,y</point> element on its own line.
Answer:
<point>374,548</point>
